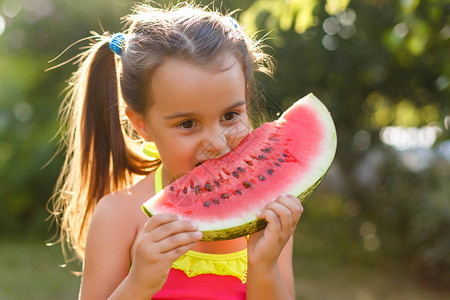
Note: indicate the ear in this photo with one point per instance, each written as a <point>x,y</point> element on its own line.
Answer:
<point>138,122</point>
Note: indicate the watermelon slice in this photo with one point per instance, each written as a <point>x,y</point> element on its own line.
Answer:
<point>224,195</point>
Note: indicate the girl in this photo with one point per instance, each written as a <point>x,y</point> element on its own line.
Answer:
<point>185,75</point>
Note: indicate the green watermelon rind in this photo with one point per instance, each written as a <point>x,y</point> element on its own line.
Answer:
<point>246,228</point>
<point>228,233</point>
<point>303,196</point>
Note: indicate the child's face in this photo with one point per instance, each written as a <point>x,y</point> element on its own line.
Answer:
<point>197,112</point>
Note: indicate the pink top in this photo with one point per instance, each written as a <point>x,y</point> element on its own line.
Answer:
<point>205,286</point>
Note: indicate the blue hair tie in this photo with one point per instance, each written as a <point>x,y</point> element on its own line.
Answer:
<point>116,43</point>
<point>233,22</point>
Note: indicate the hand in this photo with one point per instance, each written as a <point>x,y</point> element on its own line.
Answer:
<point>282,217</point>
<point>163,240</point>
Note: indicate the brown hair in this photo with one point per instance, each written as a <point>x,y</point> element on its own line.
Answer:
<point>102,149</point>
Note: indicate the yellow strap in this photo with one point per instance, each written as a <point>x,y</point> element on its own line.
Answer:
<point>149,148</point>
<point>158,179</point>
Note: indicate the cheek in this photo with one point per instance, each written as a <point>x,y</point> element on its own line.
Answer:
<point>178,155</point>
<point>238,132</point>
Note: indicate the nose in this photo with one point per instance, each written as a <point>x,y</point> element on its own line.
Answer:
<point>214,144</point>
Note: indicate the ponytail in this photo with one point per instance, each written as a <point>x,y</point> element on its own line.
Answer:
<point>101,157</point>
<point>102,142</point>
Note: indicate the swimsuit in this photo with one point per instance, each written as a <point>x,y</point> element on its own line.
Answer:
<point>197,275</point>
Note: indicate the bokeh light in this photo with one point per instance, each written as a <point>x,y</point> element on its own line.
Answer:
<point>2,25</point>
<point>402,138</point>
<point>11,8</point>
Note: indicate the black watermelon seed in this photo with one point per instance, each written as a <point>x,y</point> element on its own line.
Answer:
<point>185,190</point>
<point>238,192</point>
<point>280,160</point>
<point>246,184</point>
<point>216,201</point>
<point>217,183</point>
<point>208,187</point>
<point>266,150</point>
<point>270,171</point>
<point>197,190</point>
<point>285,155</point>
<point>261,177</point>
<point>277,164</point>
<point>235,174</point>
<point>224,195</point>
<point>240,169</point>
<point>171,188</point>
<point>261,157</point>
<point>207,203</point>
<point>249,163</point>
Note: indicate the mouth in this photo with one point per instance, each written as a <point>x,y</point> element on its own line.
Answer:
<point>199,164</point>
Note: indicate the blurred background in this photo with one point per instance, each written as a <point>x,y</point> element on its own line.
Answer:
<point>378,227</point>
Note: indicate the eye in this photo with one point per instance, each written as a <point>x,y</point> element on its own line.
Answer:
<point>188,124</point>
<point>230,116</point>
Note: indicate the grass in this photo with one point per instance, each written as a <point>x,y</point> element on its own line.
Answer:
<point>315,280</point>
<point>30,270</point>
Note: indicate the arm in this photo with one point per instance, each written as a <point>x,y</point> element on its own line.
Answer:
<point>270,274</point>
<point>113,230</point>
<point>107,254</point>
<point>272,282</point>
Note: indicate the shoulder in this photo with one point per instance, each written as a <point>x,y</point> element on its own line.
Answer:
<point>123,209</point>
<point>112,210</point>
<point>116,205</point>
<point>121,204</point>
<point>118,216</point>
<point>113,223</point>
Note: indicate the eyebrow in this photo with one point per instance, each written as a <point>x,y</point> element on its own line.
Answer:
<point>189,114</point>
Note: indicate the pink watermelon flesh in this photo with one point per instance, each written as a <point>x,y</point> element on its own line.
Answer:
<point>224,195</point>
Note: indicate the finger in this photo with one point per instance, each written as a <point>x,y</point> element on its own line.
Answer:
<point>273,221</point>
<point>158,220</point>
<point>298,203</point>
<point>179,240</point>
<point>284,215</point>
<point>175,253</point>
<point>166,230</point>
<point>294,205</point>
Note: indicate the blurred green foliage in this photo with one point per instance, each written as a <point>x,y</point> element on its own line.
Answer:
<point>378,65</point>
